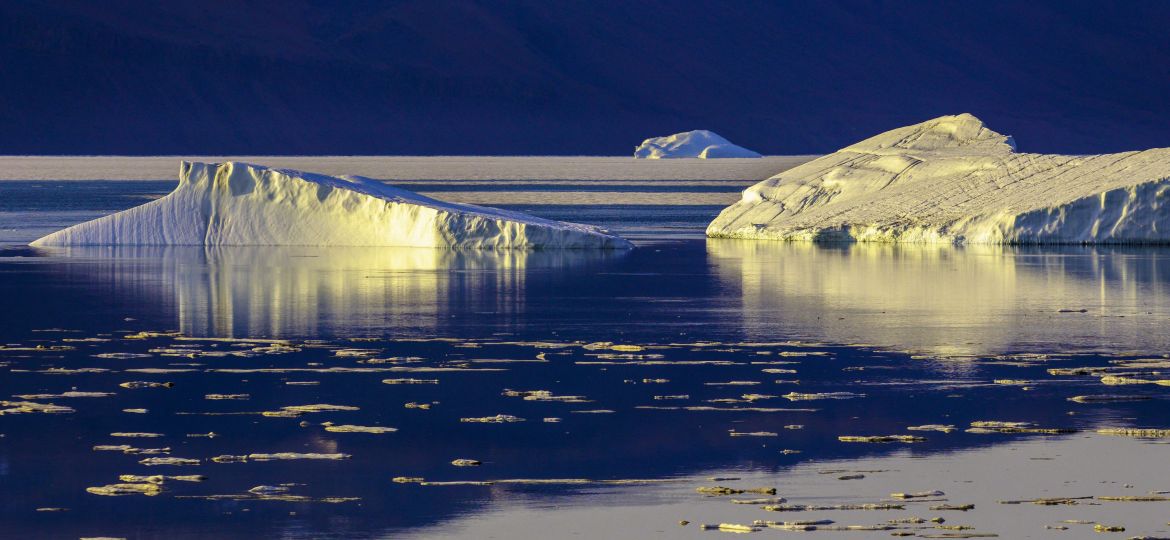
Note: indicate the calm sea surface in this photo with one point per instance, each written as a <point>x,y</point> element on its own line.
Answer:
<point>247,392</point>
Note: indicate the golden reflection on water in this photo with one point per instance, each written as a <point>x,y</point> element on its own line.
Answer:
<point>935,300</point>
<point>305,291</point>
<point>950,301</point>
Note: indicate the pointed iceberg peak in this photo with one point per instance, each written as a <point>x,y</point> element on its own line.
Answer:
<point>961,131</point>
<point>699,143</point>
<point>239,204</point>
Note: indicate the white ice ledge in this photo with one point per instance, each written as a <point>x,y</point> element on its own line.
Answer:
<point>953,180</point>
<point>700,144</point>
<point>238,204</point>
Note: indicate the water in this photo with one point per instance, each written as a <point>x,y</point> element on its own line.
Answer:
<point>660,345</point>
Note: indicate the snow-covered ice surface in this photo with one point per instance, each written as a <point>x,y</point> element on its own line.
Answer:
<point>237,204</point>
<point>953,180</point>
<point>699,143</point>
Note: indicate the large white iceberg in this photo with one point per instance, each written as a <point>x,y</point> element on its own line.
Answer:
<point>700,144</point>
<point>237,204</point>
<point>952,180</point>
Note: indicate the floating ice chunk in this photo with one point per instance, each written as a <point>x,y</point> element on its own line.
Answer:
<point>318,407</point>
<point>114,490</point>
<point>881,438</point>
<point>797,396</point>
<point>279,456</point>
<point>235,204</point>
<point>1147,433</point>
<point>69,394</point>
<point>953,180</point>
<point>700,144</point>
<point>497,419</point>
<point>348,428</point>
<point>161,479</point>
<point>178,461</point>
<point>917,495</point>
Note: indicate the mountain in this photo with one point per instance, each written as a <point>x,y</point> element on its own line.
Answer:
<point>569,77</point>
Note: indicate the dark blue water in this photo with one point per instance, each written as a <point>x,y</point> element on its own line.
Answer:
<point>48,461</point>
<point>651,337</point>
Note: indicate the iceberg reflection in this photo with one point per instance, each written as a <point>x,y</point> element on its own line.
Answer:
<point>950,301</point>
<point>306,291</point>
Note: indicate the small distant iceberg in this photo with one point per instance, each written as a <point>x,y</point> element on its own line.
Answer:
<point>700,144</point>
<point>952,180</point>
<point>238,204</point>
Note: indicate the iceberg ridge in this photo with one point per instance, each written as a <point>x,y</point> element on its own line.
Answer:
<point>953,180</point>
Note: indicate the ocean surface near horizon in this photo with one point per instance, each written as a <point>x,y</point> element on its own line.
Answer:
<point>271,392</point>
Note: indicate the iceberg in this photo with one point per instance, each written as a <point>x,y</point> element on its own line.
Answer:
<point>238,204</point>
<point>700,144</point>
<point>953,180</point>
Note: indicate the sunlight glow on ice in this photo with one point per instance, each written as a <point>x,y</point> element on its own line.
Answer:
<point>952,180</point>
<point>700,144</point>
<point>237,204</point>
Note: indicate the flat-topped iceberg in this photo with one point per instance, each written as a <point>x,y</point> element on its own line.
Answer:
<point>953,180</point>
<point>700,144</point>
<point>237,204</point>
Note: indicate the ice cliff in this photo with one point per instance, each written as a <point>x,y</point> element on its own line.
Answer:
<point>700,143</point>
<point>953,180</point>
<point>237,204</point>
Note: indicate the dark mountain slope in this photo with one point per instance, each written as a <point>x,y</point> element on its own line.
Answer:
<point>569,77</point>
